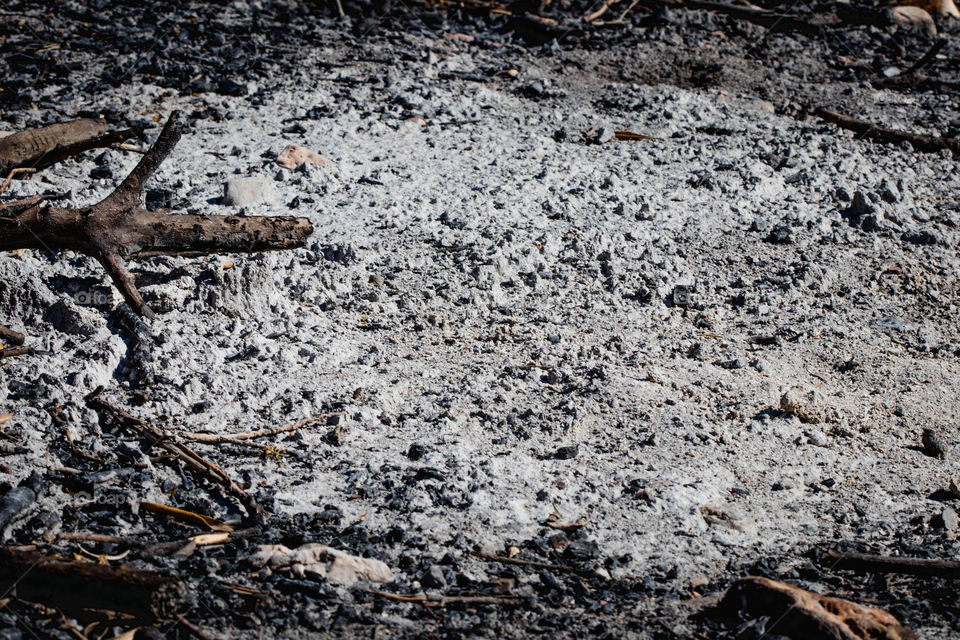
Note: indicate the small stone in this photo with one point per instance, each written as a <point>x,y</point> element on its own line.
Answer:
<point>68,318</point>
<point>243,192</point>
<point>889,192</point>
<point>784,484</point>
<point>729,518</point>
<point>954,487</point>
<point>807,406</point>
<point>568,452</point>
<point>936,7</point>
<point>416,451</point>
<point>320,562</point>
<point>604,134</point>
<point>433,578</point>
<point>949,519</point>
<point>682,296</point>
<point>932,444</point>
<point>336,436</point>
<point>861,206</point>
<point>293,156</point>
<point>376,280</point>
<point>101,173</point>
<point>780,234</point>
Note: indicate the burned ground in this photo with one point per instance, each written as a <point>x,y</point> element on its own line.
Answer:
<point>523,324</point>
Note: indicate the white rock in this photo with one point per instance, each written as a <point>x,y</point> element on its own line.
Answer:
<point>321,561</point>
<point>243,192</point>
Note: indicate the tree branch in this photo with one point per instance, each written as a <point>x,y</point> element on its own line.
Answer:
<point>120,228</point>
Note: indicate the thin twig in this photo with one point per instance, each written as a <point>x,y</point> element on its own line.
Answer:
<point>627,11</point>
<point>192,628</point>
<point>14,172</point>
<point>82,536</point>
<point>593,15</point>
<point>920,142</point>
<point>912,75</point>
<point>17,206</point>
<point>160,439</point>
<point>889,564</point>
<point>61,424</point>
<point>129,147</point>
<point>250,435</point>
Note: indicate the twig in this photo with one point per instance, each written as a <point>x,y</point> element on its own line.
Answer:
<point>775,22</point>
<point>11,336</point>
<point>81,536</point>
<point>233,438</point>
<point>443,600</point>
<point>593,15</point>
<point>927,58</point>
<point>193,628</point>
<point>630,135</point>
<point>49,145</point>
<point>61,424</point>
<point>920,142</point>
<point>14,172</point>
<point>627,11</point>
<point>171,546</point>
<point>911,75</point>
<point>888,564</point>
<point>129,147</point>
<point>160,439</point>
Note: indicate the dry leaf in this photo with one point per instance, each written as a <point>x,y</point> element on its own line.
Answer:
<point>186,516</point>
<point>4,417</point>
<point>630,135</point>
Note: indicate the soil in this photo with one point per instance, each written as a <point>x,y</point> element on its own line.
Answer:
<point>655,365</point>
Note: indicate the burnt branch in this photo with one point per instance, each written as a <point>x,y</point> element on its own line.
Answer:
<point>120,228</point>
<point>40,148</point>
<point>920,142</point>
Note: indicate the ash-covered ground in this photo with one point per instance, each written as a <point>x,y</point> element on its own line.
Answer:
<point>519,318</point>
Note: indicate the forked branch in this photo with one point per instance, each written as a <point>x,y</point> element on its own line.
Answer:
<point>120,228</point>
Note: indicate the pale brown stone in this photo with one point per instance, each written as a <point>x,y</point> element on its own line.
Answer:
<point>936,7</point>
<point>321,561</point>
<point>915,18</point>
<point>293,156</point>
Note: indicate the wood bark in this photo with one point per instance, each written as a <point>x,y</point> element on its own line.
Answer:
<point>40,148</point>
